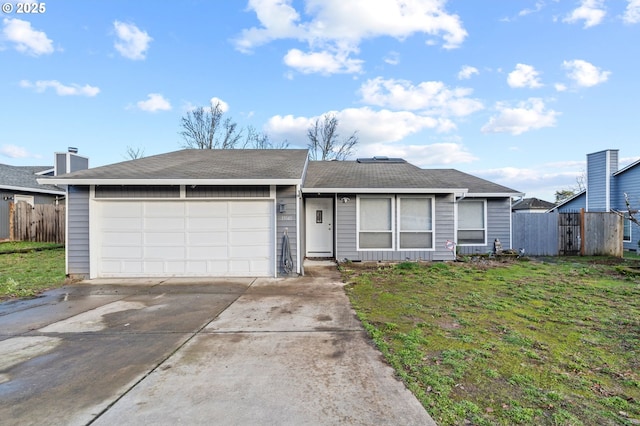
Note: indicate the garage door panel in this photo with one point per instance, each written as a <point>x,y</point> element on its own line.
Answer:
<point>163,209</point>
<point>122,224</point>
<point>186,238</point>
<point>160,224</point>
<point>122,238</point>
<point>207,238</point>
<point>164,238</point>
<point>204,223</point>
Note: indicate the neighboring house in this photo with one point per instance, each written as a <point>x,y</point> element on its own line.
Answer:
<point>606,186</point>
<point>19,183</point>
<point>532,205</point>
<point>229,213</point>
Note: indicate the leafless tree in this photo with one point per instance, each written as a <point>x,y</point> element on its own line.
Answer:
<point>206,128</point>
<point>259,140</point>
<point>134,153</point>
<point>631,212</point>
<point>324,140</point>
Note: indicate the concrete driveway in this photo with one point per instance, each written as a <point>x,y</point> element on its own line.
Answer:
<point>176,351</point>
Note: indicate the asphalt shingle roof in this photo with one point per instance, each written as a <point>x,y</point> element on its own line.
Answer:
<point>205,164</point>
<point>370,175</point>
<point>24,177</point>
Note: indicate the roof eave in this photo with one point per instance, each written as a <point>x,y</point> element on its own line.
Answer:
<point>28,189</point>
<point>384,190</point>
<point>93,181</point>
<point>494,194</point>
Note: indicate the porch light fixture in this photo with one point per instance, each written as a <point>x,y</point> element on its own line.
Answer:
<point>282,207</point>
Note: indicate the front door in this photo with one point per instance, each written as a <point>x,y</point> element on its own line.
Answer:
<point>319,224</point>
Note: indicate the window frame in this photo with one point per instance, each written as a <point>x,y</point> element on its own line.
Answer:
<point>484,229</point>
<point>627,224</point>
<point>392,231</point>
<point>431,231</point>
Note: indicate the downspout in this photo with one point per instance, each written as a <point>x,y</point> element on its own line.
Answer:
<point>298,201</point>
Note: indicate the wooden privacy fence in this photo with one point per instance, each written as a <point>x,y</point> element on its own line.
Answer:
<point>42,223</point>
<point>568,234</point>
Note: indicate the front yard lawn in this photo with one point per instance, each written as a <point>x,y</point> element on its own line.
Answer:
<point>485,342</point>
<point>26,269</point>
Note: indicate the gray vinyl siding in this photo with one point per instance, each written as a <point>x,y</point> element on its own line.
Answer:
<point>498,227</point>
<point>598,180</point>
<point>580,202</point>
<point>346,230</point>
<point>629,182</point>
<point>286,223</point>
<point>78,260</point>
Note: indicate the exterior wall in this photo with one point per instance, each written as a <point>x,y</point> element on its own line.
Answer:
<point>498,227</point>
<point>287,222</point>
<point>629,182</point>
<point>346,229</point>
<point>4,207</point>
<point>574,206</point>
<point>600,167</point>
<point>78,256</point>
<point>78,259</point>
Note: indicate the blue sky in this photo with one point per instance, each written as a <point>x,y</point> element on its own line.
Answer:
<point>517,92</point>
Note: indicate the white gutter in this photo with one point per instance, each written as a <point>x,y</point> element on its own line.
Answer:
<point>383,190</point>
<point>169,181</point>
<point>39,191</point>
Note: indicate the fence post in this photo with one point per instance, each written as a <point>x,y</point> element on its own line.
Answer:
<point>582,235</point>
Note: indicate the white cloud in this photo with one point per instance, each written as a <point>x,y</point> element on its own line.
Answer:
<point>26,39</point>
<point>14,151</point>
<point>436,154</point>
<point>526,116</point>
<point>382,126</point>
<point>560,87</point>
<point>538,7</point>
<point>155,102</point>
<point>322,62</point>
<point>392,58</point>
<point>132,43</point>
<point>632,12</point>
<point>592,12</point>
<point>585,74</point>
<point>61,89</point>
<point>330,30</point>
<point>224,107</point>
<point>430,97</point>
<point>466,72</point>
<point>524,76</point>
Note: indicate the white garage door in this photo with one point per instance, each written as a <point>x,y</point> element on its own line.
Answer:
<point>184,238</point>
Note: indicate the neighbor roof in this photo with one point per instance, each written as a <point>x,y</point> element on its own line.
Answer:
<point>198,165</point>
<point>372,176</point>
<point>23,178</point>
<point>532,204</point>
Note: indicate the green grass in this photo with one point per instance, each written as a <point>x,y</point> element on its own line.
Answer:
<point>26,269</point>
<point>486,343</point>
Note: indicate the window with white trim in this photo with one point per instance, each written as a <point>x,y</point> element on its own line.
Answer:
<point>626,235</point>
<point>415,226</point>
<point>375,223</point>
<point>472,223</point>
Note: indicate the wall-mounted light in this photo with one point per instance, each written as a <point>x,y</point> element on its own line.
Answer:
<point>345,200</point>
<point>282,207</point>
<point>7,198</point>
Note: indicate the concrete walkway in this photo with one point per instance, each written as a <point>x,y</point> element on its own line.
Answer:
<point>234,352</point>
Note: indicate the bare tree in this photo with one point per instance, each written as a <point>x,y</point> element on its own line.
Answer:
<point>134,153</point>
<point>324,143</point>
<point>260,140</point>
<point>206,128</point>
<point>632,213</point>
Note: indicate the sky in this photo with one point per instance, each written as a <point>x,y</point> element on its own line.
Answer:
<point>516,92</point>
